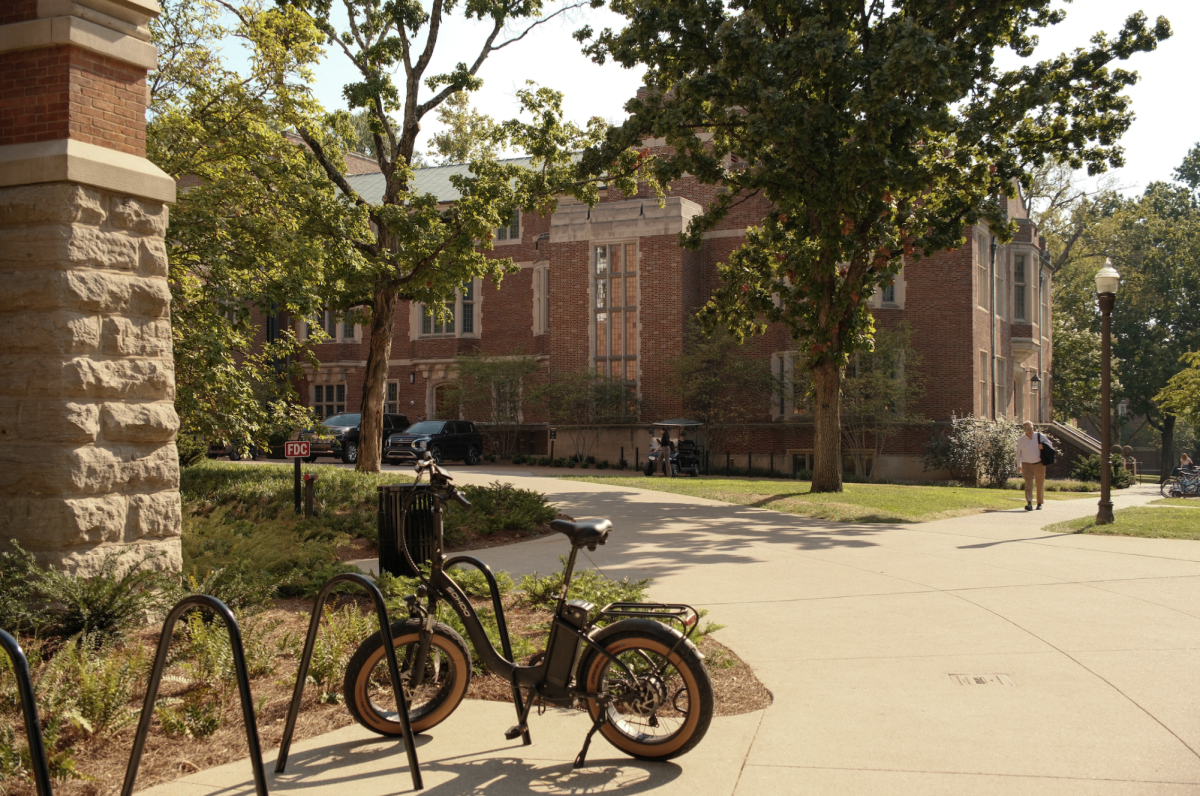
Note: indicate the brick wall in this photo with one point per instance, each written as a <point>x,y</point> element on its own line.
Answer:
<point>66,92</point>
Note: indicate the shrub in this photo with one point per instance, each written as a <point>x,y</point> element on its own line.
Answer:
<point>587,585</point>
<point>590,460</point>
<point>622,464</point>
<point>19,573</point>
<point>191,449</point>
<point>100,681</point>
<point>602,465</point>
<point>585,465</point>
<point>497,507</point>
<point>1058,485</point>
<point>235,585</point>
<point>197,714</point>
<point>543,461</point>
<point>119,596</point>
<point>475,584</point>
<point>1088,469</point>
<point>571,463</point>
<point>491,457</point>
<point>340,634</point>
<point>560,462</point>
<point>518,458</point>
<point>975,449</point>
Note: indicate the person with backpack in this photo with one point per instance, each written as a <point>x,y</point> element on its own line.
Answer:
<point>1033,454</point>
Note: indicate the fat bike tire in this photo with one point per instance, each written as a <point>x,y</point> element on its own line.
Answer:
<point>368,686</point>
<point>1171,488</point>
<point>677,722</point>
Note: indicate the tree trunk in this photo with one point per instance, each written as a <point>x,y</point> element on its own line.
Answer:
<point>383,322</point>
<point>827,446</point>
<point>1167,460</point>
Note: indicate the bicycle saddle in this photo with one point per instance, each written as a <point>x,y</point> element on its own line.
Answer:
<point>585,533</point>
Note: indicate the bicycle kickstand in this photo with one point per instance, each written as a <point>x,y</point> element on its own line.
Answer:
<point>581,760</point>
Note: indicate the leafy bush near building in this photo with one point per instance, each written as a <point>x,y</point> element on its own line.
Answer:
<point>1088,469</point>
<point>976,450</point>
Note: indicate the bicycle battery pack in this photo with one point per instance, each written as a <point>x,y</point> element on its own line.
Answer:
<point>564,645</point>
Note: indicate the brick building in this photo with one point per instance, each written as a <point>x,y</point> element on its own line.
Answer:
<point>609,289</point>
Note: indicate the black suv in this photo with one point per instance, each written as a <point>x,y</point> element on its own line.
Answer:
<point>444,439</point>
<point>343,436</point>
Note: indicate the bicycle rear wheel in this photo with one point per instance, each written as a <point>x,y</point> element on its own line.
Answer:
<point>1171,488</point>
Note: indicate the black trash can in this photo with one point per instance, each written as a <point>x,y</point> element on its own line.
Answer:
<point>418,528</point>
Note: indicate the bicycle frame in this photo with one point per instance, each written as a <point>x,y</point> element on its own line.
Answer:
<point>441,587</point>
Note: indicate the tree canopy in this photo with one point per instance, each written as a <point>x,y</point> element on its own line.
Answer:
<point>877,131</point>
<point>258,230</point>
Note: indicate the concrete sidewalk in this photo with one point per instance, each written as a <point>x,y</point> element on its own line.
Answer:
<point>971,655</point>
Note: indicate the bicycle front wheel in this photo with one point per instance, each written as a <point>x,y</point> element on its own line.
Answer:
<point>368,685</point>
<point>1171,488</point>
<point>664,709</point>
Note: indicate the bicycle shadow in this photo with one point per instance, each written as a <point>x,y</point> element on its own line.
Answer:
<point>374,768</point>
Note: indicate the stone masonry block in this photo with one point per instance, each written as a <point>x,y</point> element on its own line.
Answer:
<point>53,523</point>
<point>81,377</point>
<point>153,257</point>
<point>50,203</point>
<point>139,215</point>
<point>49,333</point>
<point>85,561</point>
<point>42,421</point>
<point>157,515</point>
<point>129,337</point>
<point>150,422</point>
<point>69,245</point>
<point>87,290</point>
<point>88,469</point>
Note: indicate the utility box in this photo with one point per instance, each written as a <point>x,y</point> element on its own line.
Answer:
<point>418,531</point>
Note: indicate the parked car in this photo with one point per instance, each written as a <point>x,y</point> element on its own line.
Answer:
<point>234,452</point>
<point>444,439</point>
<point>342,439</point>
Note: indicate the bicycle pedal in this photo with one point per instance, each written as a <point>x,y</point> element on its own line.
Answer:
<point>514,732</point>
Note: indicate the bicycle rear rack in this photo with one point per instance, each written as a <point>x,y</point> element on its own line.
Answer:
<point>385,629</point>
<point>33,728</point>
<point>243,681</point>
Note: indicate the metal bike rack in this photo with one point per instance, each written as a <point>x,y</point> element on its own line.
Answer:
<point>33,728</point>
<point>243,680</point>
<point>389,646</point>
<point>502,629</point>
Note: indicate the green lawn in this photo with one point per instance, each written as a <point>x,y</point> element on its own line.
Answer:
<point>1164,523</point>
<point>1193,503</point>
<point>858,503</point>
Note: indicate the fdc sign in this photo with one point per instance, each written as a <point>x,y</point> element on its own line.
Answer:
<point>296,450</point>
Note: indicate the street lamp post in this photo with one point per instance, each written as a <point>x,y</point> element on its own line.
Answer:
<point>1106,294</point>
<point>1035,386</point>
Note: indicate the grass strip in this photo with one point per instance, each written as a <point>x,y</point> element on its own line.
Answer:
<point>856,503</point>
<point>1156,523</point>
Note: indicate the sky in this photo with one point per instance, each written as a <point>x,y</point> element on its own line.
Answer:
<point>1167,114</point>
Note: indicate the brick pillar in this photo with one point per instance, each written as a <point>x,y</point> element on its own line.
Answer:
<point>87,421</point>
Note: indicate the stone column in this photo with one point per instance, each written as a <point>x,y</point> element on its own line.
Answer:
<point>87,421</point>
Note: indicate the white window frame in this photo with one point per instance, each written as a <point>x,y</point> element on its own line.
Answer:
<point>505,236</point>
<point>391,397</point>
<point>339,329</point>
<point>984,383</point>
<point>1001,387</point>
<point>1021,308</point>
<point>593,279</point>
<point>784,407</point>
<point>475,300</point>
<point>898,294</point>
<point>541,299</point>
<point>983,251</point>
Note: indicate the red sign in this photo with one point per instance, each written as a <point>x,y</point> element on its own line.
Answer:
<point>296,450</point>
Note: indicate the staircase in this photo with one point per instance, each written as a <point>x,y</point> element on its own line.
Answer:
<point>1073,436</point>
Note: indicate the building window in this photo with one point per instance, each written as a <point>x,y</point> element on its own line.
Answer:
<point>460,319</point>
<point>541,299</point>
<point>1001,388</point>
<point>614,317</point>
<point>981,268</point>
<point>1020,289</point>
<point>334,331</point>
<point>329,400</point>
<point>795,386</point>
<point>984,408</point>
<point>889,293</point>
<point>391,403</point>
<point>1045,305</point>
<point>513,230</point>
<point>1000,289</point>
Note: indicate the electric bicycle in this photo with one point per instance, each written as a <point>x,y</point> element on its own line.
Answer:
<point>631,666</point>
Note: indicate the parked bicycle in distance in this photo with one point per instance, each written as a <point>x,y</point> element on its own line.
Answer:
<point>1185,482</point>
<point>642,681</point>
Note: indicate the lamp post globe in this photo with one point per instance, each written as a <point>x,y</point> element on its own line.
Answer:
<point>1107,280</point>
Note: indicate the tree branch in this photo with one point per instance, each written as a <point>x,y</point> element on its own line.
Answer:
<point>541,21</point>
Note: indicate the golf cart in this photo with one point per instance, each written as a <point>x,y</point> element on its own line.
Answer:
<point>686,455</point>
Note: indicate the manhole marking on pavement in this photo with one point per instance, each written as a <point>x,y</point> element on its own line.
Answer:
<point>981,679</point>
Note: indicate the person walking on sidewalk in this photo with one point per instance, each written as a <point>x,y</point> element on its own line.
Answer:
<point>1029,456</point>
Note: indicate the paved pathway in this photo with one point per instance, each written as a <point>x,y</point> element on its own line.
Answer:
<point>974,655</point>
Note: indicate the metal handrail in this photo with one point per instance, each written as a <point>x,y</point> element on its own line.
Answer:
<point>33,728</point>
<point>243,680</point>
<point>389,646</point>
